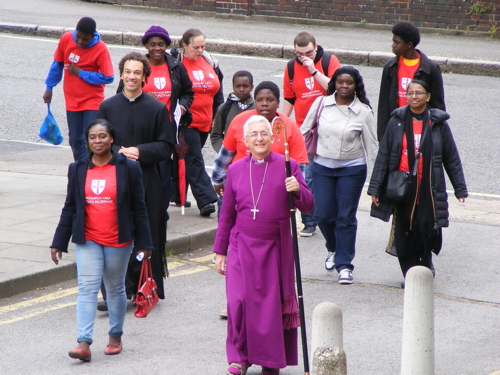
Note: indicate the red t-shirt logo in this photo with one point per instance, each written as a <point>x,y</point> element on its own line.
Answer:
<point>74,58</point>
<point>98,186</point>
<point>160,83</point>
<point>198,74</point>
<point>309,82</point>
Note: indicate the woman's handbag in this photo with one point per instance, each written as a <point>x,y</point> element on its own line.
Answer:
<point>312,134</point>
<point>49,131</point>
<point>399,185</point>
<point>399,182</point>
<point>146,297</point>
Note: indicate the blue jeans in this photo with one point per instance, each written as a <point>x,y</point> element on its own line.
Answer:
<point>308,219</point>
<point>95,262</point>
<point>336,197</point>
<point>77,123</point>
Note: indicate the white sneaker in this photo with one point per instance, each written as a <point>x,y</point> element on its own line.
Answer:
<point>345,276</point>
<point>330,261</point>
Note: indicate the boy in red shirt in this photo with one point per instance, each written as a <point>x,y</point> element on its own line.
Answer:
<point>87,66</point>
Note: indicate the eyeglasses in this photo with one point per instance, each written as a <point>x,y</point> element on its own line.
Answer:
<point>308,53</point>
<point>416,93</point>
<point>255,135</point>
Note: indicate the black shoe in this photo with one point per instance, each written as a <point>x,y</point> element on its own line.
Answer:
<point>207,209</point>
<point>187,204</point>
<point>102,306</point>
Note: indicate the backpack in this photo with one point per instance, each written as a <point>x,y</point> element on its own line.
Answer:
<point>325,61</point>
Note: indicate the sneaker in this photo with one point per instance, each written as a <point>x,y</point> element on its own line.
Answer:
<point>307,231</point>
<point>207,209</point>
<point>330,261</point>
<point>345,276</point>
<point>102,306</point>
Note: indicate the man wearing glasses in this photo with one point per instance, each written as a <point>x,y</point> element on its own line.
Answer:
<point>306,77</point>
<point>408,64</point>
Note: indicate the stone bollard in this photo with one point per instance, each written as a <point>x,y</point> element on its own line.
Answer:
<point>417,357</point>
<point>329,361</point>
<point>327,340</point>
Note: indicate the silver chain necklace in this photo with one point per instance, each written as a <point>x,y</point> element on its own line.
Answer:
<point>255,203</point>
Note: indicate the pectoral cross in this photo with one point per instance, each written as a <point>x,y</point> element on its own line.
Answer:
<point>254,210</point>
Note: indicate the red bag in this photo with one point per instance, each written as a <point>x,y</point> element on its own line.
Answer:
<point>146,297</point>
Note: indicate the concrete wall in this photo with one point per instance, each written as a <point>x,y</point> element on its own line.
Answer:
<point>443,14</point>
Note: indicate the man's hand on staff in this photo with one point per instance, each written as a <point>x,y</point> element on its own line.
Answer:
<point>292,184</point>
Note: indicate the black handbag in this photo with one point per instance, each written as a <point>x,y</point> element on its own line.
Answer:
<point>399,182</point>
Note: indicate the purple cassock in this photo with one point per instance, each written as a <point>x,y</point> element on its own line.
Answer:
<point>262,308</point>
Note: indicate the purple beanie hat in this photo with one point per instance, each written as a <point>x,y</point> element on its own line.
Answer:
<point>156,31</point>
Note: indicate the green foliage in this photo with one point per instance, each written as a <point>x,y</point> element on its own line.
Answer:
<point>493,29</point>
<point>364,22</point>
<point>478,7</point>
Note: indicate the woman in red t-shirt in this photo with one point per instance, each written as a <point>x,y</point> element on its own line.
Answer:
<point>106,217</point>
<point>206,77</point>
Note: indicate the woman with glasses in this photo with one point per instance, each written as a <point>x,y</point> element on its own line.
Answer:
<point>417,137</point>
<point>346,140</point>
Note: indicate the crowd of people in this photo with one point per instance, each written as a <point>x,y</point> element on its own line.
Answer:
<point>125,173</point>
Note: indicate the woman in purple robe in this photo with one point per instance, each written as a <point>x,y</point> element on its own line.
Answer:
<point>263,313</point>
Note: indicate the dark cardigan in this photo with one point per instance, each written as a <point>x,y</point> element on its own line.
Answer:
<point>132,215</point>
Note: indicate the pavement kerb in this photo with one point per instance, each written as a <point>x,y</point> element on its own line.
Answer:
<point>373,58</point>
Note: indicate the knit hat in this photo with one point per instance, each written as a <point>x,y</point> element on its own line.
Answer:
<point>86,25</point>
<point>156,31</point>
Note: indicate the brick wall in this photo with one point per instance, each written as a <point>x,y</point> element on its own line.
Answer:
<point>444,14</point>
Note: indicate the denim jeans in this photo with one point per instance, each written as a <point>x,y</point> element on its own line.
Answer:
<point>95,262</point>
<point>77,123</point>
<point>308,219</point>
<point>336,197</point>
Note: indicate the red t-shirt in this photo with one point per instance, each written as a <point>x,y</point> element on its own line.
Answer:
<point>406,72</point>
<point>304,87</point>
<point>101,217</point>
<point>234,140</point>
<point>81,95</point>
<point>159,82</point>
<point>205,86</point>
<point>403,162</point>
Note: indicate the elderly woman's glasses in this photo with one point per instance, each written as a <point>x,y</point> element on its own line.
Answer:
<point>418,94</point>
<point>255,135</point>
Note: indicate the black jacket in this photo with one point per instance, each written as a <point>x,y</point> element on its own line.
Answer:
<point>132,216</point>
<point>445,154</point>
<point>182,87</point>
<point>428,71</point>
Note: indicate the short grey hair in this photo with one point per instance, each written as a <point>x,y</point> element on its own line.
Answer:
<point>254,119</point>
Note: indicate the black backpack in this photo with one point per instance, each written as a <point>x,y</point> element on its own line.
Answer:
<point>324,64</point>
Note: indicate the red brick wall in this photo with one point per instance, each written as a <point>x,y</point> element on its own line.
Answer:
<point>444,14</point>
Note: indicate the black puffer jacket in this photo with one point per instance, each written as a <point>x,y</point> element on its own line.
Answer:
<point>445,154</point>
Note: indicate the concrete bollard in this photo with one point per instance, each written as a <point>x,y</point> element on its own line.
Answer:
<point>418,323</point>
<point>327,340</point>
<point>329,361</point>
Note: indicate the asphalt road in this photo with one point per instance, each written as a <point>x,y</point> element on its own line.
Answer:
<point>123,18</point>
<point>472,102</point>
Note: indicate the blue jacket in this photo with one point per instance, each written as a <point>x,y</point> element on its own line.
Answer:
<point>133,221</point>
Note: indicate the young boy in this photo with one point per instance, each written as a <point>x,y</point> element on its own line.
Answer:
<point>238,101</point>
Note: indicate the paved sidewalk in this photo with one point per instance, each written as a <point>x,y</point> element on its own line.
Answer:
<point>32,193</point>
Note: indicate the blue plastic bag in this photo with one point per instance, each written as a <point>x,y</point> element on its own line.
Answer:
<point>49,131</point>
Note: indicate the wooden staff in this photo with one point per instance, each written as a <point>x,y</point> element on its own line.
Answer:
<point>278,124</point>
